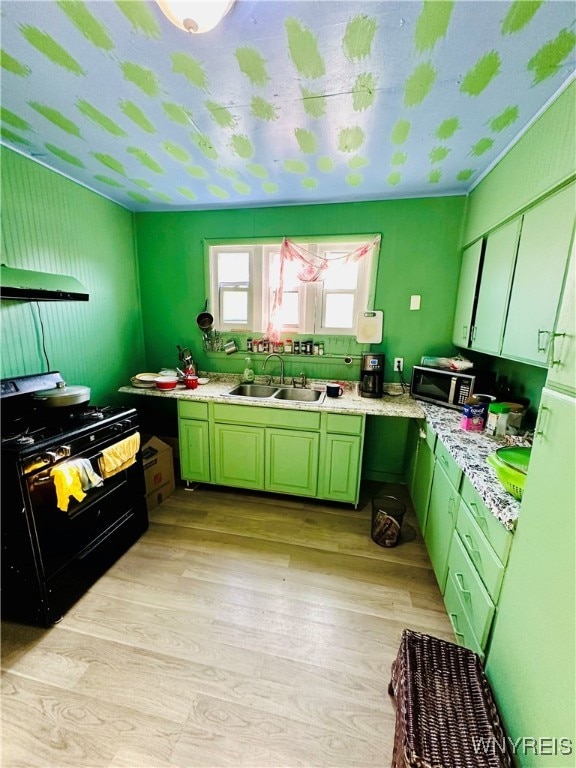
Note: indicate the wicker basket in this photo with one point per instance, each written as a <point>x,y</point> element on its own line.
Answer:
<point>512,479</point>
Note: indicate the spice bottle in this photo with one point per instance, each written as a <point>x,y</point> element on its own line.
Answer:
<point>296,347</point>
<point>288,346</point>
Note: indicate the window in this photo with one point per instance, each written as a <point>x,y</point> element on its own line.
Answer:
<point>244,280</point>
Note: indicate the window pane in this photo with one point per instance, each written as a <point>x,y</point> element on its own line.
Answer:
<point>339,310</point>
<point>291,269</point>
<point>235,307</point>
<point>233,267</point>
<point>340,274</point>
<point>289,313</point>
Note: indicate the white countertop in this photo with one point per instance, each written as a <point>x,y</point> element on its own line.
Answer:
<point>469,449</point>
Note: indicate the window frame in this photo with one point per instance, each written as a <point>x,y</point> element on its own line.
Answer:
<point>311,304</point>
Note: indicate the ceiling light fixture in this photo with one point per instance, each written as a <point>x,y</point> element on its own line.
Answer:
<point>195,17</point>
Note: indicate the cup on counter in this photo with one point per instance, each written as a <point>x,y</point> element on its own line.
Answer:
<point>334,390</point>
<point>190,381</point>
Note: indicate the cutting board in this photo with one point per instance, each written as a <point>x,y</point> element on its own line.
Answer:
<point>369,327</point>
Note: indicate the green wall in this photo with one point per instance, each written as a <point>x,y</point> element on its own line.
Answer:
<point>52,224</point>
<point>418,255</point>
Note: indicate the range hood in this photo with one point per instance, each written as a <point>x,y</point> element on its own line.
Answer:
<point>30,285</point>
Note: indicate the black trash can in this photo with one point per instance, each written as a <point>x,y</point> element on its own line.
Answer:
<point>387,515</point>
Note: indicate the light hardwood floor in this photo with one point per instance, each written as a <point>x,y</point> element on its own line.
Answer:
<point>242,629</point>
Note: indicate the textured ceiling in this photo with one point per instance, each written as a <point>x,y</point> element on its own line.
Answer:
<point>284,102</point>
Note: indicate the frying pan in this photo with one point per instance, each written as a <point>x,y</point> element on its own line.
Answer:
<point>205,320</point>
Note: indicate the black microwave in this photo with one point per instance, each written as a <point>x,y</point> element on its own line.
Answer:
<point>442,386</point>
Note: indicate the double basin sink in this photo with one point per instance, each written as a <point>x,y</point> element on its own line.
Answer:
<point>265,392</point>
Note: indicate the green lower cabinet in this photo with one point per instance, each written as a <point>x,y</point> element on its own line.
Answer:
<point>292,462</point>
<point>194,450</point>
<point>420,479</point>
<point>340,479</point>
<point>239,456</point>
<point>458,616</point>
<point>442,511</point>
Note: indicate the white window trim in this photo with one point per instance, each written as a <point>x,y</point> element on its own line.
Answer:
<point>311,294</point>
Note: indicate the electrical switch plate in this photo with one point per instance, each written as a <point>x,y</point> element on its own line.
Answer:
<point>415,301</point>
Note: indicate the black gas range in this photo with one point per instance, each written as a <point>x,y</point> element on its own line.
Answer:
<point>66,515</point>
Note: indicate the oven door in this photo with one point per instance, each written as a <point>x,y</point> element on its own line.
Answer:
<point>62,536</point>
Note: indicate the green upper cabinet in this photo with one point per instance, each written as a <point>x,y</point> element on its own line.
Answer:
<point>538,278</point>
<point>467,293</point>
<point>497,269</point>
<point>562,357</point>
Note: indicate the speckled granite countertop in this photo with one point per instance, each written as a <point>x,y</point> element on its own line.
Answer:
<point>469,449</point>
<point>394,403</point>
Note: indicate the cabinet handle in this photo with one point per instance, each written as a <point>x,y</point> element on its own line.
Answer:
<point>552,352</point>
<point>465,333</point>
<point>540,347</point>
<point>539,429</point>
<point>473,337</point>
<point>460,580</point>
<point>454,618</point>
<point>477,514</point>
<point>422,434</point>
<point>471,546</point>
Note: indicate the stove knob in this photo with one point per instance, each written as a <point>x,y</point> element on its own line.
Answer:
<point>64,451</point>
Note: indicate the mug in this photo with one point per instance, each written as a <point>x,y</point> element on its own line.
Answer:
<point>334,390</point>
<point>230,347</point>
<point>191,381</point>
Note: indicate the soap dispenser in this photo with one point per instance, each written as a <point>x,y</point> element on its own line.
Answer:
<point>248,371</point>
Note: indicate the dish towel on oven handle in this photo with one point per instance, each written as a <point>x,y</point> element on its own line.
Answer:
<point>119,456</point>
<point>72,478</point>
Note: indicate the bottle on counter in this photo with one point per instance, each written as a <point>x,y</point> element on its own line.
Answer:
<point>296,347</point>
<point>249,375</point>
<point>249,345</point>
<point>288,346</point>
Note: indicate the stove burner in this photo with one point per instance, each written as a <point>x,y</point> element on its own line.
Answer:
<point>24,440</point>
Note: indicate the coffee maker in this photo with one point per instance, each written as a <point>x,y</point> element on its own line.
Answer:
<point>372,375</point>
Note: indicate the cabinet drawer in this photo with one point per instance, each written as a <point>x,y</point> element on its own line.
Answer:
<point>449,466</point>
<point>498,536</point>
<point>269,417</point>
<point>344,424</point>
<point>458,618</point>
<point>475,600</point>
<point>189,410</point>
<point>489,567</point>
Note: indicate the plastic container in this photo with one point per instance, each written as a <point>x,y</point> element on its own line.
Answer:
<point>248,375</point>
<point>387,515</point>
<point>497,419</point>
<point>511,479</point>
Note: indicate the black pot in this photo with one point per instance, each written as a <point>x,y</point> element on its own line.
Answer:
<point>205,320</point>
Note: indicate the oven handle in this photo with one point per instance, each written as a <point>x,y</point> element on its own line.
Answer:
<point>43,479</point>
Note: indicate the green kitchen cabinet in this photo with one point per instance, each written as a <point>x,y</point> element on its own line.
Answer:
<point>193,434</point>
<point>442,512</point>
<point>562,354</point>
<point>531,659</point>
<point>340,477</point>
<point>538,277</point>
<point>292,462</point>
<point>421,470</point>
<point>465,302</point>
<point>494,289</point>
<point>239,455</point>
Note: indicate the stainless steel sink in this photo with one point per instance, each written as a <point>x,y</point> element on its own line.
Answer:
<point>253,390</point>
<point>299,395</point>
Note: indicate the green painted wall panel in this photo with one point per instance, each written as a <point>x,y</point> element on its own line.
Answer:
<point>419,254</point>
<point>52,224</point>
<point>542,159</point>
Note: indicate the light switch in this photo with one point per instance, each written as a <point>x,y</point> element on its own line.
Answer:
<point>415,301</point>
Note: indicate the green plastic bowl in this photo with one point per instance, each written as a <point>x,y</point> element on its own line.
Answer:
<point>515,457</point>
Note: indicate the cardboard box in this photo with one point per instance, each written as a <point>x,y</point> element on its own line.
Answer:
<point>158,471</point>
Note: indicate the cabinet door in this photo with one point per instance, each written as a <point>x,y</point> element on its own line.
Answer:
<point>562,357</point>
<point>341,473</point>
<point>542,257</point>
<point>442,510</point>
<point>497,269</point>
<point>292,461</point>
<point>194,450</point>
<point>466,293</point>
<point>422,481</point>
<point>239,455</point>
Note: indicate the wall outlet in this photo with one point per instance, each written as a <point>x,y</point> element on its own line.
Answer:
<point>398,363</point>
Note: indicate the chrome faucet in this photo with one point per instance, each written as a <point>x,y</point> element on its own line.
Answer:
<point>275,354</point>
